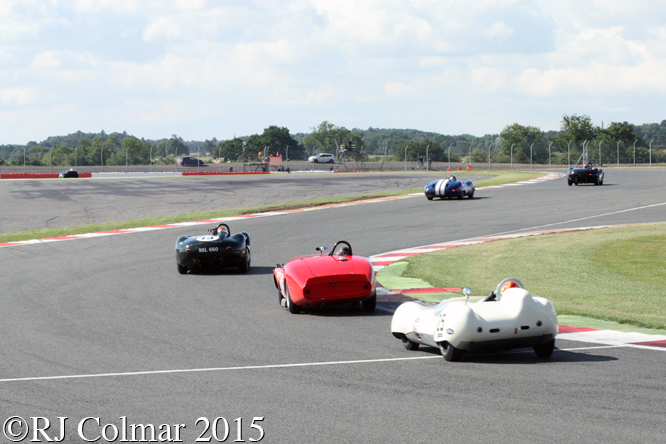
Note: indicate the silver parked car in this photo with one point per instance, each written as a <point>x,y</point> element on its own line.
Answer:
<point>322,158</point>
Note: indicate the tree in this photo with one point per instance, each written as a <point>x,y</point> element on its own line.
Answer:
<point>328,138</point>
<point>323,137</point>
<point>210,145</point>
<point>575,130</point>
<point>521,138</point>
<point>133,152</point>
<point>172,147</point>
<point>624,133</point>
<point>60,154</point>
<point>277,139</point>
<point>232,149</point>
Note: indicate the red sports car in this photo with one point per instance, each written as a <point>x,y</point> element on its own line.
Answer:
<point>336,278</point>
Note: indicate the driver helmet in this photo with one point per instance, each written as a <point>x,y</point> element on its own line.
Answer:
<point>221,230</point>
<point>507,285</point>
<point>344,251</point>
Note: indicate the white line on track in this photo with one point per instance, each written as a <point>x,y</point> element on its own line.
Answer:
<point>580,219</point>
<point>278,366</point>
<point>214,369</point>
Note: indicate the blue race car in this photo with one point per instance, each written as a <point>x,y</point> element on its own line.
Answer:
<point>450,187</point>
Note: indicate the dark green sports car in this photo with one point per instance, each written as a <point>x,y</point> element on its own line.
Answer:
<point>220,249</point>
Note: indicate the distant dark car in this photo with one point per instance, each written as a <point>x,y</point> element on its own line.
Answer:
<point>68,173</point>
<point>589,174</point>
<point>450,187</point>
<point>220,249</point>
<point>191,161</point>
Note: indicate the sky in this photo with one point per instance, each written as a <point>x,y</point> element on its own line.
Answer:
<point>217,69</point>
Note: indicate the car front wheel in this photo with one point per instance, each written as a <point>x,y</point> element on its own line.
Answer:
<point>546,349</point>
<point>409,345</point>
<point>449,352</point>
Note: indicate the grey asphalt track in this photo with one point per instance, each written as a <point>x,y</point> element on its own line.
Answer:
<point>34,204</point>
<point>218,345</point>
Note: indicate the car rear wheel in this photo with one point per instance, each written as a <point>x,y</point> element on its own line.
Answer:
<point>569,182</point>
<point>181,269</point>
<point>546,349</point>
<point>471,196</point>
<point>293,308</point>
<point>245,265</point>
<point>409,345</point>
<point>370,304</point>
<point>331,161</point>
<point>449,352</point>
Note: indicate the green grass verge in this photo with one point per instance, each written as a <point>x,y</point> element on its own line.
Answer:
<point>612,274</point>
<point>187,217</point>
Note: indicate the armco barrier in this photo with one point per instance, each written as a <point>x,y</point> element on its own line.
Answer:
<point>221,173</point>
<point>36,175</point>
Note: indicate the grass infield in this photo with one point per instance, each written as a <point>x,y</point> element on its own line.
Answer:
<point>496,179</point>
<point>611,274</point>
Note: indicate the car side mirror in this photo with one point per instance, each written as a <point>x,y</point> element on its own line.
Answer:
<point>321,250</point>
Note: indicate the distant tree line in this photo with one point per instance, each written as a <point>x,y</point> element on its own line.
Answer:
<point>618,143</point>
<point>621,142</point>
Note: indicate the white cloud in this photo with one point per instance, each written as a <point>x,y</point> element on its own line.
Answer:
<point>46,60</point>
<point>162,28</point>
<point>152,65</point>
<point>400,91</point>
<point>18,96</point>
<point>498,29</point>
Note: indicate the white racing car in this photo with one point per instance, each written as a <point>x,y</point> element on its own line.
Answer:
<point>509,317</point>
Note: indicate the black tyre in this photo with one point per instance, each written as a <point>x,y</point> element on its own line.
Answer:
<point>315,161</point>
<point>181,269</point>
<point>429,197</point>
<point>370,304</point>
<point>245,265</point>
<point>331,161</point>
<point>449,352</point>
<point>596,181</point>
<point>293,308</point>
<point>546,349</point>
<point>601,182</point>
<point>569,182</point>
<point>471,196</point>
<point>409,345</point>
